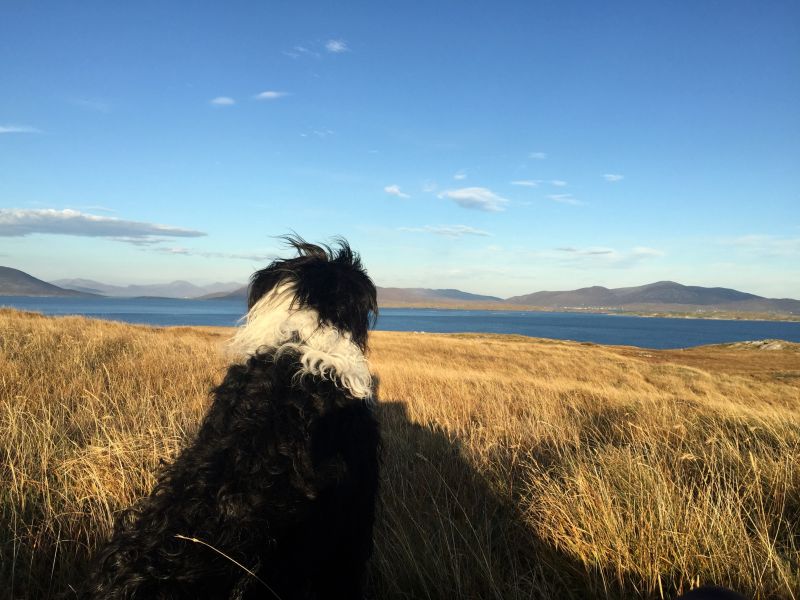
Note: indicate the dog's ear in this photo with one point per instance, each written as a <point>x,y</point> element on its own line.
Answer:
<point>261,283</point>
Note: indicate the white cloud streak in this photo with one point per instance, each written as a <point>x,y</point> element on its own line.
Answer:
<point>18,129</point>
<point>599,257</point>
<point>558,183</point>
<point>298,51</point>
<point>394,190</point>
<point>460,175</point>
<point>526,182</point>
<point>477,198</point>
<point>222,101</point>
<point>271,95</point>
<point>23,222</point>
<point>565,199</point>
<point>450,231</point>
<point>613,178</point>
<point>181,251</point>
<point>537,155</point>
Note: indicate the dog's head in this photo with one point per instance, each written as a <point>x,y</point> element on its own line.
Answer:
<point>330,281</point>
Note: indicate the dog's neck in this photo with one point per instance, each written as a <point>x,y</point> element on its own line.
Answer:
<point>272,324</point>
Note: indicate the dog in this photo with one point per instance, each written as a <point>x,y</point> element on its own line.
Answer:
<point>275,497</point>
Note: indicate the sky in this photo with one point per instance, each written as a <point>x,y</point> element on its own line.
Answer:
<point>500,148</point>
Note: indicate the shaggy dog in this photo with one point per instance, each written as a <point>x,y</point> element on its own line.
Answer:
<point>275,497</point>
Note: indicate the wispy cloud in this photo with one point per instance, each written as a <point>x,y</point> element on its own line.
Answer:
<point>223,101</point>
<point>586,251</point>
<point>526,182</point>
<point>181,251</point>
<point>613,178</point>
<point>565,199</point>
<point>460,175</point>
<point>537,155</point>
<point>19,129</point>
<point>477,198</point>
<point>336,46</point>
<point>598,256</point>
<point>319,133</point>
<point>22,222</point>
<point>394,190</point>
<point>558,183</point>
<point>298,51</point>
<point>451,231</point>
<point>271,95</point>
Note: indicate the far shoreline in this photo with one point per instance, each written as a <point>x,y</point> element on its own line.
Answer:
<point>664,314</point>
<point>676,313</point>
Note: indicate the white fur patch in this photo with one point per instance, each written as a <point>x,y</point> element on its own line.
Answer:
<point>324,351</point>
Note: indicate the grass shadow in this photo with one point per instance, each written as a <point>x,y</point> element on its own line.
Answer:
<point>443,531</point>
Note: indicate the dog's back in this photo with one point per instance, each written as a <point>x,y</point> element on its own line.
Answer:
<point>275,496</point>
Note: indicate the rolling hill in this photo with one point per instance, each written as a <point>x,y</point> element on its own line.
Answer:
<point>396,296</point>
<point>14,282</point>
<point>666,296</point>
<point>174,289</point>
<point>387,296</point>
<point>662,295</point>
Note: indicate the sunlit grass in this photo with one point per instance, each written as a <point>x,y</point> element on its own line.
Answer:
<point>512,468</point>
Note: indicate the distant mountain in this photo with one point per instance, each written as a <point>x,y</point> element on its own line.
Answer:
<point>175,289</point>
<point>393,296</point>
<point>237,294</point>
<point>387,296</point>
<point>662,295</point>
<point>14,282</point>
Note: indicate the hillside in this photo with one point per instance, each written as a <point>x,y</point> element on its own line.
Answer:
<point>662,295</point>
<point>659,297</point>
<point>391,295</point>
<point>174,289</point>
<point>239,293</point>
<point>14,282</point>
<point>397,296</point>
<point>513,468</point>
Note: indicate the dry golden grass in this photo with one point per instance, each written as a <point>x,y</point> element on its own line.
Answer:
<point>513,468</point>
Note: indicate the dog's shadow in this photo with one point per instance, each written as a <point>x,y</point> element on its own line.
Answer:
<point>443,532</point>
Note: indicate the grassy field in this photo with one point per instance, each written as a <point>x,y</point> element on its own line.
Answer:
<point>513,467</point>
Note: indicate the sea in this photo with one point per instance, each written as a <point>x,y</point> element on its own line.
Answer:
<point>645,332</point>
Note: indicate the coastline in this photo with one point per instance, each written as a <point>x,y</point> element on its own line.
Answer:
<point>721,315</point>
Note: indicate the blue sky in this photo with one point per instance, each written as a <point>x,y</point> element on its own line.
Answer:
<point>500,148</point>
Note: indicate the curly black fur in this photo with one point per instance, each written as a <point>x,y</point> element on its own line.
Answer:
<point>281,479</point>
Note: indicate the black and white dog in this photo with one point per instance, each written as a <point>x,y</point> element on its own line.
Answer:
<point>275,497</point>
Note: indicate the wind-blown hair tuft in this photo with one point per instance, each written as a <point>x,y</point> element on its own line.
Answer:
<point>329,280</point>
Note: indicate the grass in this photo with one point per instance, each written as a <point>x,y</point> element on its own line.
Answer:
<point>513,467</point>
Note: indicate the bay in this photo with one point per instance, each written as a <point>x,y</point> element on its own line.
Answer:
<point>645,332</point>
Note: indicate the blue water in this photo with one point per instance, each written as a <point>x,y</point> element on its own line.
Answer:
<point>646,332</point>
